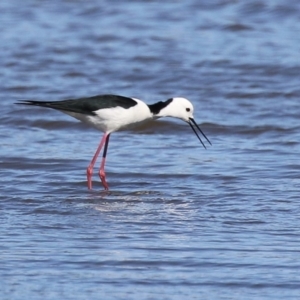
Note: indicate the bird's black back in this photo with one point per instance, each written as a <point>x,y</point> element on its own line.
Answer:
<point>85,106</point>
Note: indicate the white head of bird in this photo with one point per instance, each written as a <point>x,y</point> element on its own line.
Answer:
<point>178,107</point>
<point>183,109</point>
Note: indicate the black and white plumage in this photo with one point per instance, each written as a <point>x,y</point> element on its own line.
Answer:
<point>110,113</point>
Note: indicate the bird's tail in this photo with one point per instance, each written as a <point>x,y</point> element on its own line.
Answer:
<point>35,103</point>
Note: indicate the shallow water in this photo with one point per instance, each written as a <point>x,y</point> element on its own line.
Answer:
<point>179,220</point>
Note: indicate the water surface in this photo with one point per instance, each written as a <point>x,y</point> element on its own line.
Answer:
<point>179,220</point>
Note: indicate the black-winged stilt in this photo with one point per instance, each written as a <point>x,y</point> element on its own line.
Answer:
<point>110,113</point>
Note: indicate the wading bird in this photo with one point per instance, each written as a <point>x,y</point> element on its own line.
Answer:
<point>110,113</point>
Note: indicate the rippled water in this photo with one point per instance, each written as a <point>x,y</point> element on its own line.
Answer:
<point>179,220</point>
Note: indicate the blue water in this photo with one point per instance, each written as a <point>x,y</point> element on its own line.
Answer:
<point>179,221</point>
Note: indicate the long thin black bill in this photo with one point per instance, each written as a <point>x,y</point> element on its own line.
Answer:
<point>194,122</point>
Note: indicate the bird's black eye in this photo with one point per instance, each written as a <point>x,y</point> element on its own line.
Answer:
<point>188,109</point>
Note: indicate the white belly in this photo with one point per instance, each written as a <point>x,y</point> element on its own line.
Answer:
<point>117,118</point>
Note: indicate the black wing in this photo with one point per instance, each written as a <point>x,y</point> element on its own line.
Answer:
<point>85,106</point>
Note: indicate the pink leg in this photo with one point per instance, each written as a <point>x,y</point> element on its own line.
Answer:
<point>89,171</point>
<point>101,171</point>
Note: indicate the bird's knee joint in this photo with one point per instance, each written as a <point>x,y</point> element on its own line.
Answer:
<point>89,171</point>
